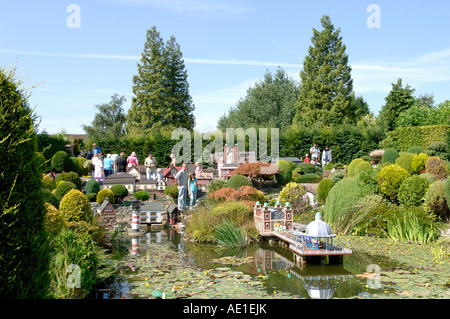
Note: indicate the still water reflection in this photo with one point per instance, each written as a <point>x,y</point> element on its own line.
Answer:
<point>273,264</point>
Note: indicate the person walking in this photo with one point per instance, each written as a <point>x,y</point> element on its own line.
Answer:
<point>192,191</point>
<point>108,165</point>
<point>150,163</point>
<point>99,175</point>
<point>181,178</point>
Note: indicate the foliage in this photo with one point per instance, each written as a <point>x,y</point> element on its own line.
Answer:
<point>410,229</point>
<point>255,171</point>
<point>82,170</point>
<point>446,190</point>
<point>74,248</point>
<point>161,91</point>
<point>323,189</point>
<point>436,167</point>
<point>402,138</point>
<point>399,100</point>
<point>54,220</point>
<point>63,188</point>
<point>336,176</point>
<point>109,120</point>
<point>415,150</point>
<point>230,235</point>
<point>50,198</point>
<point>326,91</point>
<point>48,183</point>
<point>405,161</point>
<point>120,192</point>
<point>390,155</point>
<point>390,178</point>
<point>439,149</point>
<point>171,191</point>
<point>24,247</point>
<point>305,168</point>
<point>49,145</point>
<point>423,115</point>
<point>362,167</point>
<point>92,186</point>
<point>141,195</point>
<point>104,193</point>
<point>429,177</point>
<point>216,184</point>
<point>309,178</point>
<point>244,193</point>
<point>75,207</point>
<point>61,162</point>
<point>92,197</point>
<point>285,174</point>
<point>293,193</point>
<point>435,200</point>
<point>237,181</point>
<point>418,162</point>
<point>69,177</point>
<point>267,104</point>
<point>412,191</point>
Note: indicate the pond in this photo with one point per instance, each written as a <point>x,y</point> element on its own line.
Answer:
<point>163,262</point>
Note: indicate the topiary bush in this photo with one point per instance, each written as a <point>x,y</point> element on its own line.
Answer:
<point>215,185</point>
<point>92,197</point>
<point>75,207</point>
<point>412,191</point>
<point>237,181</point>
<point>439,149</point>
<point>436,202</point>
<point>141,195</point>
<point>70,177</point>
<point>285,172</point>
<point>351,170</point>
<point>362,167</point>
<point>405,161</point>
<point>82,171</point>
<point>120,192</point>
<point>323,189</point>
<point>102,194</point>
<point>294,193</point>
<point>390,178</point>
<point>92,186</point>
<point>446,189</point>
<point>436,167</point>
<point>415,150</point>
<point>63,188</point>
<point>61,162</point>
<point>390,155</point>
<point>48,183</point>
<point>337,176</point>
<point>172,191</point>
<point>429,177</point>
<point>74,165</point>
<point>418,162</point>
<point>54,220</point>
<point>308,178</point>
<point>308,168</point>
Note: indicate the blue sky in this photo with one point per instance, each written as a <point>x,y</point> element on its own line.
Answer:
<point>227,45</point>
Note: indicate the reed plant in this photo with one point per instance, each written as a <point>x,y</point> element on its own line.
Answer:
<point>409,229</point>
<point>230,235</point>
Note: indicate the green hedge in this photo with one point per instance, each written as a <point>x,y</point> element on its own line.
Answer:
<point>403,138</point>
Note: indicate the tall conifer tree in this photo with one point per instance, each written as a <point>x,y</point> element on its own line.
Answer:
<point>161,91</point>
<point>327,86</point>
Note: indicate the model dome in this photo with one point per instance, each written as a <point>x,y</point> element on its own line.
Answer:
<point>318,228</point>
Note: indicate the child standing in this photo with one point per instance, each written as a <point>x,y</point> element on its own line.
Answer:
<point>192,190</point>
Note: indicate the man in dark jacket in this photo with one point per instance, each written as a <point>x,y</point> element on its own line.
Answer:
<point>121,163</point>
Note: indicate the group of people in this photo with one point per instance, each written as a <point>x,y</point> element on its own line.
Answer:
<point>314,154</point>
<point>187,185</point>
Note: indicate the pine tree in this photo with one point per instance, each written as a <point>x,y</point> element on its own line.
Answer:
<point>24,249</point>
<point>161,91</point>
<point>399,99</point>
<point>327,86</point>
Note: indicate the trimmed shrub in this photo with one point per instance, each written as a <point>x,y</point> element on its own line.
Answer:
<point>308,178</point>
<point>435,200</point>
<point>54,220</point>
<point>215,185</point>
<point>323,189</point>
<point>82,171</point>
<point>429,177</point>
<point>48,183</point>
<point>120,192</point>
<point>436,167</point>
<point>70,177</point>
<point>405,161</point>
<point>61,162</point>
<point>141,195</point>
<point>337,176</point>
<point>418,162</point>
<point>172,191</point>
<point>74,165</point>
<point>92,186</point>
<point>403,138</point>
<point>390,178</point>
<point>285,172</point>
<point>415,150</point>
<point>439,149</point>
<point>351,170</point>
<point>308,168</point>
<point>75,207</point>
<point>412,191</point>
<point>362,167</point>
<point>50,198</point>
<point>236,181</point>
<point>102,194</point>
<point>390,155</point>
<point>446,189</point>
<point>63,189</point>
<point>293,193</point>
<point>92,197</point>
